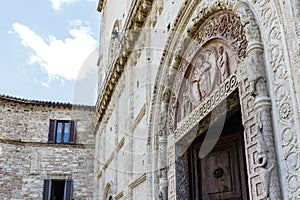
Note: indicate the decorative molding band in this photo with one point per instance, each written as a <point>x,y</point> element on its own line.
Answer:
<point>217,96</point>
<point>282,95</point>
<point>99,174</point>
<point>111,157</point>
<point>135,21</point>
<point>203,125</point>
<point>138,181</point>
<point>119,196</point>
<point>121,144</point>
<point>139,117</point>
<point>44,144</point>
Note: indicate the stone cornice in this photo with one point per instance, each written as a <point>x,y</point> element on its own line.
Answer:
<point>43,144</point>
<point>136,20</point>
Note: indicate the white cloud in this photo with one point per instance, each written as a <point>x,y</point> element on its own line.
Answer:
<point>56,4</point>
<point>45,84</point>
<point>60,58</point>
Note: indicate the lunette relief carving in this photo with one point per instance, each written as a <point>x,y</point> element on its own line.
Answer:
<point>206,72</point>
<point>211,66</point>
<point>216,97</point>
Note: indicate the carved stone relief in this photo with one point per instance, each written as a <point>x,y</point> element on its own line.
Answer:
<point>211,66</point>
<point>182,177</point>
<point>282,103</point>
<point>296,13</point>
<point>283,98</point>
<point>206,63</point>
<point>215,68</point>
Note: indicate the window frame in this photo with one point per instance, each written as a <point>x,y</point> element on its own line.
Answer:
<point>63,131</point>
<point>53,131</point>
<point>48,188</point>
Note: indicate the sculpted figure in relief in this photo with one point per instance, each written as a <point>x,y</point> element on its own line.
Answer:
<point>264,164</point>
<point>186,102</point>
<point>210,67</point>
<point>223,63</point>
<point>201,83</point>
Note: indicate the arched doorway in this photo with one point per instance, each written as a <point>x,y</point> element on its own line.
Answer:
<point>190,98</point>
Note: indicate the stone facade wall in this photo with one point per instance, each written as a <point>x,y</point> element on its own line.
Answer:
<point>122,137</point>
<point>26,158</point>
<point>136,101</point>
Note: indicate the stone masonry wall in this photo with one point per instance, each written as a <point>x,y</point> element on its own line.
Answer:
<point>26,158</point>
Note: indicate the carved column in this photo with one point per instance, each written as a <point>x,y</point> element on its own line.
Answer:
<point>162,151</point>
<point>162,166</point>
<point>265,160</point>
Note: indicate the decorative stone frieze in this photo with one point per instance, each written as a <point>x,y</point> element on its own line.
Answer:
<point>217,96</point>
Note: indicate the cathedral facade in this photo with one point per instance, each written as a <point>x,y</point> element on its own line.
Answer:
<point>198,100</point>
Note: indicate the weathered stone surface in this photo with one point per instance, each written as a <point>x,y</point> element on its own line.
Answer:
<point>149,102</point>
<point>26,159</point>
<point>262,38</point>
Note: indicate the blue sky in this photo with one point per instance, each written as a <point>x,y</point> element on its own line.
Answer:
<point>44,45</point>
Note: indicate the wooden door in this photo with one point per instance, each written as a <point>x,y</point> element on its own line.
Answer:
<point>220,174</point>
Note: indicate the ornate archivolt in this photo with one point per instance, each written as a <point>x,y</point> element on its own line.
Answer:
<point>262,164</point>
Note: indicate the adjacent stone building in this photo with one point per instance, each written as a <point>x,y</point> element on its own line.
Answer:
<point>28,160</point>
<point>198,100</point>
